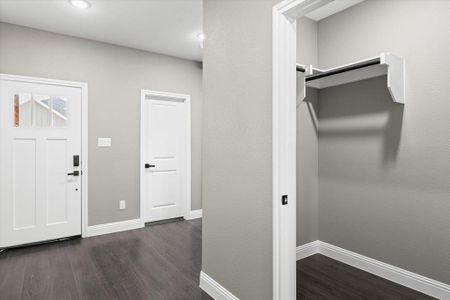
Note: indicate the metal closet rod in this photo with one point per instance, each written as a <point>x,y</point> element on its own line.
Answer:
<point>375,61</point>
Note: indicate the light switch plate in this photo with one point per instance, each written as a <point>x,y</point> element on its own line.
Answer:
<point>104,142</point>
<point>122,204</point>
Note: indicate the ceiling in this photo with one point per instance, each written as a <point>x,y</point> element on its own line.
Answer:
<point>162,26</point>
<point>331,8</point>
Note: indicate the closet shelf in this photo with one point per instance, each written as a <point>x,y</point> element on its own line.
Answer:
<point>384,64</point>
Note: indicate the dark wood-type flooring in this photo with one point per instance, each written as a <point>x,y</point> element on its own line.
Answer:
<point>156,262</point>
<point>320,277</point>
<point>159,262</point>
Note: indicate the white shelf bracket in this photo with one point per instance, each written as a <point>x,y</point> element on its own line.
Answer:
<point>395,76</point>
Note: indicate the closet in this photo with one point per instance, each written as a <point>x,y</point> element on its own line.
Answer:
<point>369,169</point>
<point>350,109</point>
<point>372,167</point>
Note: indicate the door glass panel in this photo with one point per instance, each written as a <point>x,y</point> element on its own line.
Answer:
<point>41,107</point>
<point>59,112</point>
<point>23,110</point>
<point>16,111</point>
<point>32,110</point>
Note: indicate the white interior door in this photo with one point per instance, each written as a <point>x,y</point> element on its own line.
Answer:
<point>40,133</point>
<point>166,157</point>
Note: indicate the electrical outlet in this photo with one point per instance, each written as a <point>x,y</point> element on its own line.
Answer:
<point>122,204</point>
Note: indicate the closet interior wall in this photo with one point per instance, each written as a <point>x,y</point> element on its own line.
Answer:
<point>383,186</point>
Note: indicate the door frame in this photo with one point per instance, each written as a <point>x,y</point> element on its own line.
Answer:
<point>284,44</point>
<point>177,97</point>
<point>84,134</point>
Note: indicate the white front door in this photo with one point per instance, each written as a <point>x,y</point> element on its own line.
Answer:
<point>40,151</point>
<point>166,157</point>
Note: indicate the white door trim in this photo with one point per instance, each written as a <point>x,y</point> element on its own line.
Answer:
<point>84,134</point>
<point>187,100</point>
<point>284,31</point>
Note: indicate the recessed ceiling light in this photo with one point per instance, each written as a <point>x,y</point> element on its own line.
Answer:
<point>80,3</point>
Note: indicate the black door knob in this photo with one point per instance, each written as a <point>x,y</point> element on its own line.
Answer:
<point>75,173</point>
<point>147,166</point>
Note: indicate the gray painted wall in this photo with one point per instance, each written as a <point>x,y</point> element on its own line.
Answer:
<point>384,169</point>
<point>307,140</point>
<point>237,147</point>
<point>115,76</point>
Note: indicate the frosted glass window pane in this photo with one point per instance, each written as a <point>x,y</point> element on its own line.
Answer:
<point>59,112</point>
<point>32,110</point>
<point>16,111</point>
<point>41,110</point>
<point>23,110</point>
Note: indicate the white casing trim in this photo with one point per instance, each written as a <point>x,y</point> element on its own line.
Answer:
<point>398,275</point>
<point>331,9</point>
<point>194,214</point>
<point>215,289</point>
<point>113,227</point>
<point>284,85</point>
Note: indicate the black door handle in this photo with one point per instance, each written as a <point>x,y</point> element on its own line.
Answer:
<point>75,173</point>
<point>147,166</point>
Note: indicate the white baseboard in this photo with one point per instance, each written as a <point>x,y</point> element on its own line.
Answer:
<point>113,227</point>
<point>406,278</point>
<point>194,214</point>
<point>306,250</point>
<point>214,289</point>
